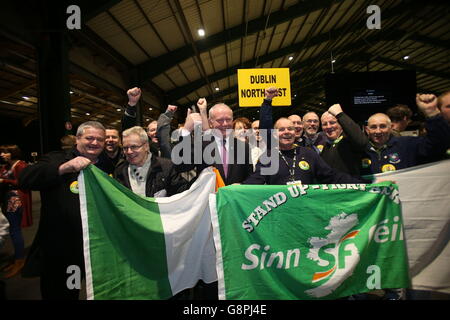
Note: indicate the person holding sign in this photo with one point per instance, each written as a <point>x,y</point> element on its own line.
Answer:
<point>297,164</point>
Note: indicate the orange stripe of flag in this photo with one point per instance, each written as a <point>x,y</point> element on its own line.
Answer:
<point>350,235</point>
<point>319,275</point>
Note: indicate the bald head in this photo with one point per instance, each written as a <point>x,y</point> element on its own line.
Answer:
<point>298,124</point>
<point>286,133</point>
<point>379,129</point>
<point>311,124</point>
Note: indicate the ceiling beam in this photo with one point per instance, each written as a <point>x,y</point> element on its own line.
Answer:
<point>90,9</point>
<point>155,66</point>
<point>402,65</point>
<point>183,91</point>
<point>17,89</point>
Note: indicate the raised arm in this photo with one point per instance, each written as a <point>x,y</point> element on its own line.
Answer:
<point>353,132</point>
<point>202,107</point>
<point>437,139</point>
<point>129,116</point>
<point>163,131</point>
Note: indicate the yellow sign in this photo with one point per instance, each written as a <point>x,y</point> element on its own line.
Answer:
<point>253,82</point>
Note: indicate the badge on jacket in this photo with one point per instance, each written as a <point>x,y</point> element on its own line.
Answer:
<point>388,167</point>
<point>74,187</point>
<point>365,163</point>
<point>394,158</point>
<point>320,147</point>
<point>304,165</point>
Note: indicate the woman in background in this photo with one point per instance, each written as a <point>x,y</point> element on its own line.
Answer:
<point>15,203</point>
<point>240,127</point>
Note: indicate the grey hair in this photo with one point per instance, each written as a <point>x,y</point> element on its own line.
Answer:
<point>388,120</point>
<point>88,125</point>
<point>139,131</point>
<point>217,106</point>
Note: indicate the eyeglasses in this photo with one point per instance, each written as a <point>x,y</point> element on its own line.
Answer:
<point>132,148</point>
<point>312,121</point>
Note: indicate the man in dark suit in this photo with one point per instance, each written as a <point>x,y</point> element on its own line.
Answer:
<point>219,148</point>
<point>58,244</point>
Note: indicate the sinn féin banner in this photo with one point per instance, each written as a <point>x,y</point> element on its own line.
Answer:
<point>308,242</point>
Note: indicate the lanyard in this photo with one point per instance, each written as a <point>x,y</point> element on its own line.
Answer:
<point>291,170</point>
<point>335,142</point>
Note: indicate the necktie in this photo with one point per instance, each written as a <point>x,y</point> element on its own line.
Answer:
<point>224,157</point>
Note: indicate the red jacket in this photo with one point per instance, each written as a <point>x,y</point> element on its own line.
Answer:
<point>25,195</point>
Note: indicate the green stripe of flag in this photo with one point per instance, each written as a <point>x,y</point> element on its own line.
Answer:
<point>127,246</point>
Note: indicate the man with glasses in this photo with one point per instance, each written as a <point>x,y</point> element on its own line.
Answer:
<point>311,137</point>
<point>142,172</point>
<point>58,244</point>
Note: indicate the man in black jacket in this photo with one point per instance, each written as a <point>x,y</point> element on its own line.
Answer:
<point>346,141</point>
<point>144,173</point>
<point>297,164</point>
<point>57,249</point>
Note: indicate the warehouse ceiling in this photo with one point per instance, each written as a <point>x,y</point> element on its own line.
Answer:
<point>156,44</point>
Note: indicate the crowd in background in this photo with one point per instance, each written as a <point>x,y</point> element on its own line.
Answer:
<point>141,159</point>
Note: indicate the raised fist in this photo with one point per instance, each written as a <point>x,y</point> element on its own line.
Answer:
<point>271,92</point>
<point>191,119</point>
<point>427,103</point>
<point>134,95</point>
<point>201,104</point>
<point>171,108</point>
<point>335,109</point>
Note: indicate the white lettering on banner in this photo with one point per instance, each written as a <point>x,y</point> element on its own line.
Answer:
<point>380,232</point>
<point>258,213</point>
<point>255,217</point>
<point>255,261</point>
<point>388,191</point>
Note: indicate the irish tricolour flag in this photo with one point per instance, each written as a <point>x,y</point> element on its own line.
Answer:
<point>144,248</point>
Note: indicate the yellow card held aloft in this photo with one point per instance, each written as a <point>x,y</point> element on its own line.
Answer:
<point>252,82</point>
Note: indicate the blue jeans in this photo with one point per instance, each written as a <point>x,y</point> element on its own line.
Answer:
<point>15,231</point>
